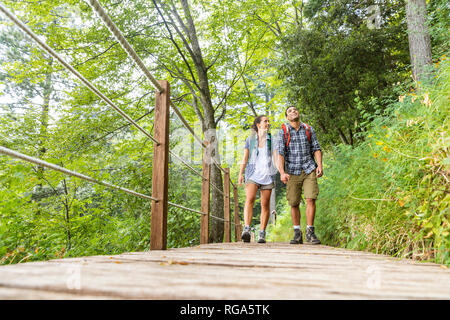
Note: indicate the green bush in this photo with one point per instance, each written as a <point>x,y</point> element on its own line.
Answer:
<point>390,194</point>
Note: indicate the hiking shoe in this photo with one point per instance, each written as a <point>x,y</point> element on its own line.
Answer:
<point>246,235</point>
<point>262,237</point>
<point>310,236</point>
<point>297,237</point>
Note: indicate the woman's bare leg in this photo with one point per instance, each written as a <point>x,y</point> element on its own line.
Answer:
<point>250,196</point>
<point>265,208</point>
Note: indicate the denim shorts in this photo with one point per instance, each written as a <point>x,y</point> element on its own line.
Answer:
<point>269,186</point>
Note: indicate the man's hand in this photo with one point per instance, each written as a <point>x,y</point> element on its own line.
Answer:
<point>284,177</point>
<point>319,171</point>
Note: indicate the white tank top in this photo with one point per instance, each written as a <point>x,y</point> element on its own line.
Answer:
<point>261,174</point>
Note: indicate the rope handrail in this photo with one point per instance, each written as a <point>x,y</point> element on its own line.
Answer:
<point>135,57</point>
<point>86,82</point>
<point>55,167</point>
<point>195,171</point>
<point>186,164</point>
<point>187,126</point>
<point>184,208</point>
<point>123,42</point>
<point>221,219</point>
<point>222,169</point>
<point>196,211</point>
<point>18,155</point>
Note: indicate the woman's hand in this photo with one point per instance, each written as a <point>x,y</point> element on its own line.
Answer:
<point>240,179</point>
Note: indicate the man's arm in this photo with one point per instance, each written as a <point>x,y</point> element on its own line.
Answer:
<point>319,169</point>
<point>284,177</point>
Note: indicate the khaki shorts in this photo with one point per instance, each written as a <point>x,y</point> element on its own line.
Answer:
<point>261,186</point>
<point>305,182</point>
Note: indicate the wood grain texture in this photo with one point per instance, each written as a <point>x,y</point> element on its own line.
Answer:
<point>226,205</point>
<point>237,221</point>
<point>228,271</point>
<point>204,224</point>
<point>160,178</point>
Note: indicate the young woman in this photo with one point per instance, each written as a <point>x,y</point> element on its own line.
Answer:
<point>258,163</point>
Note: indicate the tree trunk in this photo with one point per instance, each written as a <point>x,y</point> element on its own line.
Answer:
<point>208,124</point>
<point>67,215</point>
<point>43,125</point>
<point>351,136</point>
<point>47,90</point>
<point>343,137</point>
<point>419,37</point>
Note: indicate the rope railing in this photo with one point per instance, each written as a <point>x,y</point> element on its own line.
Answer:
<point>196,211</point>
<point>184,208</point>
<point>187,126</point>
<point>191,130</point>
<point>86,82</point>
<point>135,57</point>
<point>123,42</point>
<point>55,167</point>
<point>186,164</point>
<point>160,88</point>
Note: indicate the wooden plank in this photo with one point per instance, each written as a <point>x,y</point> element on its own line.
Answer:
<point>226,205</point>
<point>237,221</point>
<point>268,271</point>
<point>158,236</point>
<point>204,224</point>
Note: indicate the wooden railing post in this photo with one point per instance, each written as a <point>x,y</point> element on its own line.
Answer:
<point>226,207</point>
<point>204,228</point>
<point>158,235</point>
<point>237,233</point>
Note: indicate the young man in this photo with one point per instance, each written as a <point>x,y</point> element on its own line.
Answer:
<point>297,149</point>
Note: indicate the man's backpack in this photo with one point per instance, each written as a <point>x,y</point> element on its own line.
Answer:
<point>287,133</point>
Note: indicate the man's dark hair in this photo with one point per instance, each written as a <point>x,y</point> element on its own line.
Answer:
<point>285,112</point>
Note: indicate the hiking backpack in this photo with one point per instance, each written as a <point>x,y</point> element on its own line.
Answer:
<point>287,133</point>
<point>269,142</point>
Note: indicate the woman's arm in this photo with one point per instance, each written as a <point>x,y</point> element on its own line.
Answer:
<point>243,165</point>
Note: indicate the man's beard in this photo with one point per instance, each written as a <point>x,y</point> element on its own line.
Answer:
<point>296,119</point>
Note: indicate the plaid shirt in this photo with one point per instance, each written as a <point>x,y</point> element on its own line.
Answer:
<point>298,155</point>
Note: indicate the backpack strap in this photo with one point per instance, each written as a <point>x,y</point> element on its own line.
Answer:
<point>308,131</point>
<point>252,144</point>
<point>287,134</point>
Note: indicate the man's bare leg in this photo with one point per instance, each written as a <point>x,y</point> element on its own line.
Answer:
<point>310,235</point>
<point>310,211</point>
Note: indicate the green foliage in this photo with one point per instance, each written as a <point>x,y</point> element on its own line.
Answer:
<point>283,231</point>
<point>390,193</point>
<point>339,59</point>
<point>335,66</point>
<point>439,24</point>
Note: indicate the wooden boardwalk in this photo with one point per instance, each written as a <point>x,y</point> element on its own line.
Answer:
<point>228,271</point>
